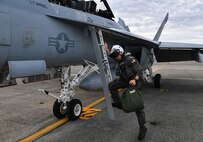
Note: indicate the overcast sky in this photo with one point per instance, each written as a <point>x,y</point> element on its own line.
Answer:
<point>185,23</point>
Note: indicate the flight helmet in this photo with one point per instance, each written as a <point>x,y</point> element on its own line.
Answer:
<point>115,51</point>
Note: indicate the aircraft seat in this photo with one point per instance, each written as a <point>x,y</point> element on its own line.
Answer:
<point>90,6</point>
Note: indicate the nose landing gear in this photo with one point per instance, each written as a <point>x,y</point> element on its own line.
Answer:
<point>65,105</point>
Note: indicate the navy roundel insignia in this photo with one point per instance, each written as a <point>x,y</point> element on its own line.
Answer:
<point>62,43</point>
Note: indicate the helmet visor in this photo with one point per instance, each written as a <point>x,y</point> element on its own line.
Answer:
<point>114,54</point>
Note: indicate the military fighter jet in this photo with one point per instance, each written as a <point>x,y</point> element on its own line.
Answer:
<point>36,34</point>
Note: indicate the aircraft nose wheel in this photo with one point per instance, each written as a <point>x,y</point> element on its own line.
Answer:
<point>74,109</point>
<point>59,109</point>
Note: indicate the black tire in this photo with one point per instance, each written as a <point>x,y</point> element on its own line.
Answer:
<point>58,110</point>
<point>157,81</point>
<point>74,109</point>
<point>1,78</point>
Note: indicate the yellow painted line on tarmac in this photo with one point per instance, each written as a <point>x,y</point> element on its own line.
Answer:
<point>96,102</point>
<point>45,130</point>
<point>55,125</point>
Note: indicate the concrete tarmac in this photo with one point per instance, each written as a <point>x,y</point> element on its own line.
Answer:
<point>174,112</point>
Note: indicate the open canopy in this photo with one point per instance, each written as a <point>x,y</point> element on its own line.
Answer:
<point>96,7</point>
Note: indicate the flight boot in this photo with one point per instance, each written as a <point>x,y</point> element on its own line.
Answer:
<point>119,106</point>
<point>142,133</point>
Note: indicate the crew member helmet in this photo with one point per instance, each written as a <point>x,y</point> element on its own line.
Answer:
<point>115,51</point>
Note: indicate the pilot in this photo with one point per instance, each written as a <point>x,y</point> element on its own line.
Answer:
<point>128,76</point>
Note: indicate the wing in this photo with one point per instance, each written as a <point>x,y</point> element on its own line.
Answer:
<point>164,51</point>
<point>174,45</point>
<point>170,51</point>
<point>109,27</point>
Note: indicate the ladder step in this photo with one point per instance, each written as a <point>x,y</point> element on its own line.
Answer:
<point>104,59</point>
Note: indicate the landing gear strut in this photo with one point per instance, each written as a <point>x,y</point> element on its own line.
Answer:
<point>65,104</point>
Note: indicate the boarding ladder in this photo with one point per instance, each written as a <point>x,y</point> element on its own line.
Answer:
<point>103,64</point>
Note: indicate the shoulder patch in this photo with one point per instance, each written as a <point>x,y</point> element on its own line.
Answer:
<point>133,61</point>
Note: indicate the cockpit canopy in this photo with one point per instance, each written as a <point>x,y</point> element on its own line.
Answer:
<point>97,7</point>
